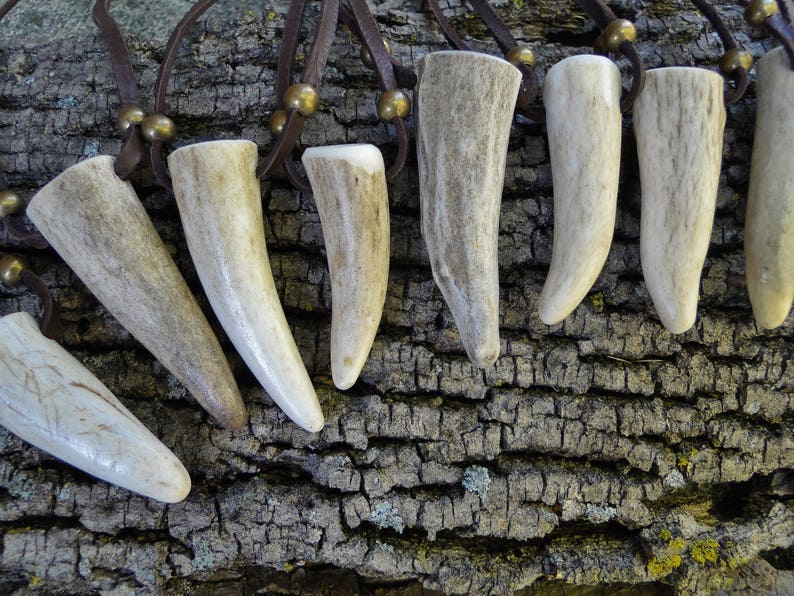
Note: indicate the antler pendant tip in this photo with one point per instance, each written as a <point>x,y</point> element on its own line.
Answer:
<point>769,227</point>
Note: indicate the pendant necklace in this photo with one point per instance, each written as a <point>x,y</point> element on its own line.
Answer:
<point>582,97</point>
<point>769,224</point>
<point>678,121</point>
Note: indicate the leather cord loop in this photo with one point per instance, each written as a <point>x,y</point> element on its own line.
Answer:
<point>602,15</point>
<point>133,146</point>
<point>50,318</point>
<point>529,84</point>
<point>161,87</point>
<point>370,35</point>
<point>739,76</point>
<point>324,33</point>
<point>32,239</point>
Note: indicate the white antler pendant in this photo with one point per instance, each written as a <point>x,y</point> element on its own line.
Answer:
<point>678,120</point>
<point>97,224</point>
<point>464,108</point>
<point>349,186</point>
<point>220,205</point>
<point>582,99</point>
<point>769,228</point>
<point>52,401</point>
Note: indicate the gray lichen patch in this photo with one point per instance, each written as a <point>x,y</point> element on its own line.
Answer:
<point>476,479</point>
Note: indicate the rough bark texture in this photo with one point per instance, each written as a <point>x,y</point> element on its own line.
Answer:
<point>599,451</point>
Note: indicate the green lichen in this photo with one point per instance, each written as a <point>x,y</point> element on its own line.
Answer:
<point>678,544</point>
<point>662,566</point>
<point>665,535</point>
<point>705,551</point>
<point>597,301</point>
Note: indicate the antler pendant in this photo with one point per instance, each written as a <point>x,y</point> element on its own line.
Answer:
<point>220,205</point>
<point>349,185</point>
<point>769,228</point>
<point>97,224</point>
<point>678,120</point>
<point>52,401</point>
<point>464,108</point>
<point>582,99</point>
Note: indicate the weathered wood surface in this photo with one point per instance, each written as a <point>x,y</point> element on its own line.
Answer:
<point>602,450</point>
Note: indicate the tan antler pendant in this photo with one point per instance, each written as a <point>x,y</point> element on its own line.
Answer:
<point>349,186</point>
<point>97,224</point>
<point>769,228</point>
<point>53,402</point>
<point>582,99</point>
<point>219,201</point>
<point>464,108</point>
<point>678,120</point>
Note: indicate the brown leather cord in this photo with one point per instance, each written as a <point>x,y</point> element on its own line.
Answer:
<point>50,318</point>
<point>529,84</point>
<point>603,16</point>
<point>133,146</point>
<point>405,76</point>
<point>324,33</point>
<point>740,76</point>
<point>159,167</point>
<point>451,35</point>
<point>370,35</point>
<point>779,26</point>
<point>33,239</point>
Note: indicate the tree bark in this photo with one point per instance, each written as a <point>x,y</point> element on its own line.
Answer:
<point>601,451</point>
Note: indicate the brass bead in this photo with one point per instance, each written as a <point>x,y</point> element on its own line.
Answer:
<point>277,121</point>
<point>10,269</point>
<point>158,127</point>
<point>617,32</point>
<point>366,57</point>
<point>759,10</point>
<point>393,104</point>
<point>130,114</point>
<point>521,55</point>
<point>302,97</point>
<point>736,58</point>
<point>10,203</point>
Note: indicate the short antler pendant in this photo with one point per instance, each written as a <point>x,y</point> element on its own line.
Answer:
<point>582,98</point>
<point>678,120</point>
<point>349,185</point>
<point>464,103</point>
<point>769,229</point>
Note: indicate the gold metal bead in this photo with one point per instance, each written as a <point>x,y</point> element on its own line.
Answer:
<point>130,114</point>
<point>617,32</point>
<point>302,97</point>
<point>521,55</point>
<point>760,10</point>
<point>736,58</point>
<point>11,267</point>
<point>277,121</point>
<point>393,104</point>
<point>366,57</point>
<point>10,203</point>
<point>158,127</point>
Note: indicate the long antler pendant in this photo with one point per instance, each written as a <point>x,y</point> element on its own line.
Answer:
<point>769,229</point>
<point>349,185</point>
<point>220,205</point>
<point>464,108</point>
<point>52,401</point>
<point>582,98</point>
<point>678,120</point>
<point>97,224</point>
